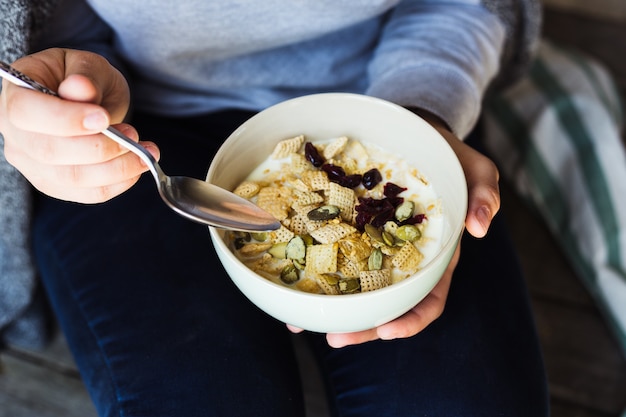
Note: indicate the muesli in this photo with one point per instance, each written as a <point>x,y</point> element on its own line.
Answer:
<point>354,219</point>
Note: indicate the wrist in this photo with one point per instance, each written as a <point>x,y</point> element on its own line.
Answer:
<point>434,120</point>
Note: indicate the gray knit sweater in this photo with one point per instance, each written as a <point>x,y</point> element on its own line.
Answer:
<point>21,321</point>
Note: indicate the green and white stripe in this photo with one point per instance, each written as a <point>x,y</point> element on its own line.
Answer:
<point>556,136</point>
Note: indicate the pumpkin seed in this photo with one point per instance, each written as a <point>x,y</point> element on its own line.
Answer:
<point>296,249</point>
<point>374,233</point>
<point>331,279</point>
<point>324,213</point>
<point>278,250</point>
<point>405,211</point>
<point>375,261</point>
<point>289,274</point>
<point>408,233</point>
<point>388,238</point>
<point>259,236</point>
<point>349,285</point>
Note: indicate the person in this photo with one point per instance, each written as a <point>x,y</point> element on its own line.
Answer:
<point>155,325</point>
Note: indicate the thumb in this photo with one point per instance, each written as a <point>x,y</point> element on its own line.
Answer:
<point>90,78</point>
<point>78,87</point>
<point>483,192</point>
<point>482,179</point>
<point>483,205</point>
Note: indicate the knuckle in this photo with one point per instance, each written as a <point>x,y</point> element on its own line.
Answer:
<point>42,149</point>
<point>98,148</point>
<point>129,166</point>
<point>12,154</point>
<point>107,192</point>
<point>494,170</point>
<point>69,175</point>
<point>100,194</point>
<point>16,109</point>
<point>437,311</point>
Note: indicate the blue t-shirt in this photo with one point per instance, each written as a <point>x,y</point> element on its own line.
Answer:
<point>192,57</point>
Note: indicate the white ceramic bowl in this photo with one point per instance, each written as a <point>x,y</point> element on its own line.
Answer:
<point>370,121</point>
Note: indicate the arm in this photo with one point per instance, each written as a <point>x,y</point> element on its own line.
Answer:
<point>442,56</point>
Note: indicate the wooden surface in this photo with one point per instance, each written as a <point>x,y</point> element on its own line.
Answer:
<point>602,39</point>
<point>586,369</point>
<point>614,10</point>
<point>42,384</point>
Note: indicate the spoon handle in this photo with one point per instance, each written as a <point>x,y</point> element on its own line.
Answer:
<point>18,78</point>
<point>134,147</point>
<point>11,74</point>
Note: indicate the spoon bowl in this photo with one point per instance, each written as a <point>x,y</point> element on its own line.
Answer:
<point>192,198</point>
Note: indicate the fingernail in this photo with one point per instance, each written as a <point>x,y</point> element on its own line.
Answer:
<point>154,151</point>
<point>96,121</point>
<point>387,334</point>
<point>483,215</point>
<point>128,131</point>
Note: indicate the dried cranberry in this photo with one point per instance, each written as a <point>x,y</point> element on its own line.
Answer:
<point>387,205</point>
<point>417,219</point>
<point>371,205</point>
<point>312,155</point>
<point>383,217</point>
<point>395,201</point>
<point>380,211</point>
<point>392,190</point>
<point>362,219</point>
<point>350,181</point>
<point>371,178</point>
<point>363,206</point>
<point>334,172</point>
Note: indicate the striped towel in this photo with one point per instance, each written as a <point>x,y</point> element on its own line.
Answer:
<point>556,136</point>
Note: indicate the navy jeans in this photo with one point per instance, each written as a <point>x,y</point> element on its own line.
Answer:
<point>158,329</point>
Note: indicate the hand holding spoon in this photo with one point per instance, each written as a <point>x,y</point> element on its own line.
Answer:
<point>192,198</point>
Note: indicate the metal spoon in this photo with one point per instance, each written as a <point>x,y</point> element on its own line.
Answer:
<point>191,198</point>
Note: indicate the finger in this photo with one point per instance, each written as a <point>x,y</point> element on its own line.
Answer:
<point>127,167</point>
<point>33,111</point>
<point>482,179</point>
<point>92,79</point>
<point>484,203</point>
<point>79,87</point>
<point>294,329</point>
<point>339,340</point>
<point>426,311</point>
<point>73,150</point>
<point>483,197</point>
<point>483,190</point>
<point>78,77</point>
<point>88,195</point>
<point>412,322</point>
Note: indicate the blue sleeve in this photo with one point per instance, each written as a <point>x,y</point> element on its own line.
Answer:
<point>439,56</point>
